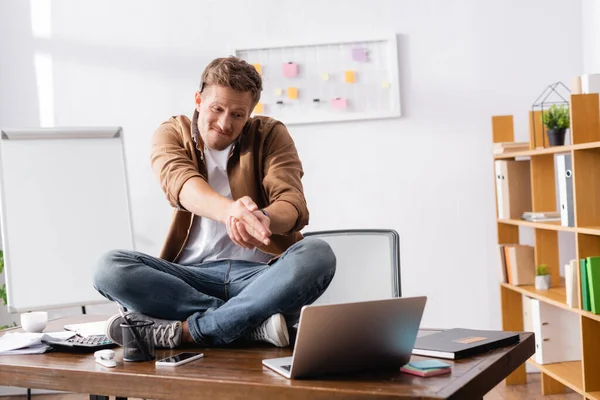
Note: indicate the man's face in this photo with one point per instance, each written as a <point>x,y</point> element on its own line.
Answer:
<point>222,113</point>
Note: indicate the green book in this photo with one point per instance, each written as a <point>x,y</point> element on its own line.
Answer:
<point>593,275</point>
<point>585,297</point>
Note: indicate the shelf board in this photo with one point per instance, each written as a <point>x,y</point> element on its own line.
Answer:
<point>568,373</point>
<point>548,150</point>
<point>593,395</point>
<point>590,230</point>
<point>556,296</point>
<point>529,153</point>
<point>552,226</point>
<point>585,146</point>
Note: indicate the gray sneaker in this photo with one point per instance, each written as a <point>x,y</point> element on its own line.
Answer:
<point>165,334</point>
<point>273,330</point>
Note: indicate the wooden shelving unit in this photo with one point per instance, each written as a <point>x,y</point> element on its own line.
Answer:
<point>581,376</point>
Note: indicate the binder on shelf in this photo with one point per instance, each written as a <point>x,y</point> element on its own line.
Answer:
<point>571,284</point>
<point>502,213</point>
<point>513,188</point>
<point>527,317</point>
<point>557,333</point>
<point>585,296</point>
<point>503,271</point>
<point>520,264</point>
<point>565,189</point>
<point>593,280</point>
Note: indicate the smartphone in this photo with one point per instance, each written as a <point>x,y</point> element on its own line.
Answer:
<point>179,359</point>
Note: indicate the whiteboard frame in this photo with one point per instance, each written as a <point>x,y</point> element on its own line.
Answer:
<point>392,44</point>
<point>58,133</point>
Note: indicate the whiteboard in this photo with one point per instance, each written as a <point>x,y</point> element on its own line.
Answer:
<point>327,81</point>
<point>64,202</point>
<point>367,265</point>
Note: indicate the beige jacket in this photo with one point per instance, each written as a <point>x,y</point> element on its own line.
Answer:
<point>263,165</point>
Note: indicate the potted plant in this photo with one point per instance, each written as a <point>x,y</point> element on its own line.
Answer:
<point>557,120</point>
<point>542,277</point>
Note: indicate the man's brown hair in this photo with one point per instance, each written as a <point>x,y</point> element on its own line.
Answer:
<point>235,73</point>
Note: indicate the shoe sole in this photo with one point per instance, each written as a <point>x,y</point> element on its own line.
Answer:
<point>118,339</point>
<point>283,337</point>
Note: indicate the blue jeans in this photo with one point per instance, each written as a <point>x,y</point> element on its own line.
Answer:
<point>220,300</point>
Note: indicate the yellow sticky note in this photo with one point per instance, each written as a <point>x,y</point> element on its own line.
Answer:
<point>325,77</point>
<point>292,93</point>
<point>278,91</point>
<point>349,76</point>
<point>258,68</point>
<point>259,109</point>
<point>385,84</point>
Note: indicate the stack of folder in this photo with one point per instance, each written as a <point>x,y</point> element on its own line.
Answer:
<point>426,368</point>
<point>507,147</point>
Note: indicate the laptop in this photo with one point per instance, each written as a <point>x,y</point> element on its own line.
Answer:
<point>352,337</point>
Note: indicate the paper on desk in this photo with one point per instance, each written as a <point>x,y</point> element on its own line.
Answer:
<point>35,349</point>
<point>88,328</point>
<point>29,343</point>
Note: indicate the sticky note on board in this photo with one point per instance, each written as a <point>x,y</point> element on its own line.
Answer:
<point>385,84</point>
<point>259,108</point>
<point>349,76</point>
<point>339,103</point>
<point>258,68</point>
<point>359,54</point>
<point>290,70</point>
<point>325,76</point>
<point>278,91</point>
<point>292,93</point>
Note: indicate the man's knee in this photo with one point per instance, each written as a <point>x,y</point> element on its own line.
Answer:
<point>322,257</point>
<point>108,269</point>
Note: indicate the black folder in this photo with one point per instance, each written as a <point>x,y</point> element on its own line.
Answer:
<point>459,343</point>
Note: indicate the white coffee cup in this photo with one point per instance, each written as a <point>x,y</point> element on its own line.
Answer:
<point>34,321</point>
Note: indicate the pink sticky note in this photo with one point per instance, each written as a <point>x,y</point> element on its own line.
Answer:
<point>339,103</point>
<point>359,54</point>
<point>290,70</point>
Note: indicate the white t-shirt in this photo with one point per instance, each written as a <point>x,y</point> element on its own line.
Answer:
<point>208,239</point>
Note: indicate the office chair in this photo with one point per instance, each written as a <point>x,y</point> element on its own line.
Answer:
<point>368,265</point>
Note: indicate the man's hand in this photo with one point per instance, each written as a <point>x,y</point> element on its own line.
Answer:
<point>255,224</point>
<point>242,238</point>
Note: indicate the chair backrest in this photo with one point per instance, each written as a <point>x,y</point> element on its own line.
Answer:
<point>368,265</point>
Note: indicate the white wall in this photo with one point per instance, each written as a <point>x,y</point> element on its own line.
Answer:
<point>590,36</point>
<point>428,174</point>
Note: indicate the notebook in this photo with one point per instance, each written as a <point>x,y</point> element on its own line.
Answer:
<point>459,343</point>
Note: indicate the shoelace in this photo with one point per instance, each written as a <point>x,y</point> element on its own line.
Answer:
<point>163,335</point>
<point>260,333</point>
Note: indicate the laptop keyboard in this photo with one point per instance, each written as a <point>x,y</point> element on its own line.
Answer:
<point>286,367</point>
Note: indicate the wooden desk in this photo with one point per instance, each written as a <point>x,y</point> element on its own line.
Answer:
<point>237,373</point>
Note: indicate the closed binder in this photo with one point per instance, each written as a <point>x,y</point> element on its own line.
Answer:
<point>571,287</point>
<point>520,264</point>
<point>513,188</point>
<point>557,333</point>
<point>565,189</point>
<point>593,278</point>
<point>500,172</point>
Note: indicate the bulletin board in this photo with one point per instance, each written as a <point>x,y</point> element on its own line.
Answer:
<point>329,81</point>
